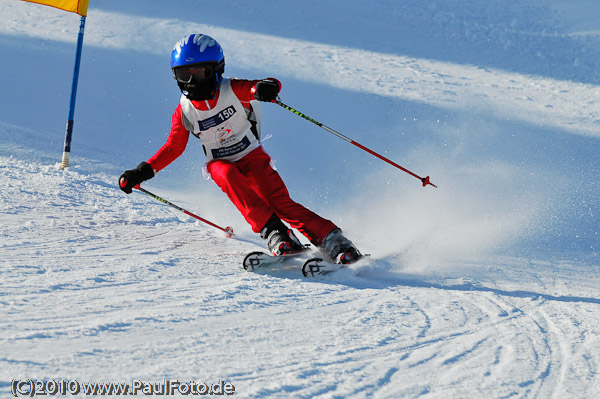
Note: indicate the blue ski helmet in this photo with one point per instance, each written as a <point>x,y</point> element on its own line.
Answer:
<point>195,49</point>
<point>198,63</point>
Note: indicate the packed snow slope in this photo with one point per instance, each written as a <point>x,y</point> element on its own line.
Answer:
<point>485,287</point>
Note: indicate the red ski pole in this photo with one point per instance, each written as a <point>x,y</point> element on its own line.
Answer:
<point>424,180</point>
<point>228,230</point>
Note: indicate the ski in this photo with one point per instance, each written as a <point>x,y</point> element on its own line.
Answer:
<point>311,268</point>
<point>316,267</point>
<point>257,259</point>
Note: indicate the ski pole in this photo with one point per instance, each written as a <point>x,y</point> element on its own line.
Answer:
<point>424,180</point>
<point>228,230</point>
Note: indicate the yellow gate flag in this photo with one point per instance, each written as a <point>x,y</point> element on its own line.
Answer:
<point>78,6</point>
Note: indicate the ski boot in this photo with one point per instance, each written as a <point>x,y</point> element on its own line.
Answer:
<point>280,239</point>
<point>339,248</point>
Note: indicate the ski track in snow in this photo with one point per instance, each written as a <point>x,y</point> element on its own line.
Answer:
<point>92,277</point>
<point>543,101</point>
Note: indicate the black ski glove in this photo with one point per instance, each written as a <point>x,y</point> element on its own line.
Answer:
<point>266,90</point>
<point>131,178</point>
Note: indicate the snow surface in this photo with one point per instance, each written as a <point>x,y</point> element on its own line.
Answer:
<point>485,287</point>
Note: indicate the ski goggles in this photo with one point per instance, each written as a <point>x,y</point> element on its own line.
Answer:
<point>198,72</point>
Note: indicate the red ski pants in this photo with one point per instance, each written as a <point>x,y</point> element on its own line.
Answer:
<point>258,191</point>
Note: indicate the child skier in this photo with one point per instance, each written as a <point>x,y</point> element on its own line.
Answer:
<point>224,114</point>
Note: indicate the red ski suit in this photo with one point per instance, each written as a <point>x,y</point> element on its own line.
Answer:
<point>251,183</point>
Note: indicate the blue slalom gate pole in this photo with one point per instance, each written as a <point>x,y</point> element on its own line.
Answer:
<point>69,131</point>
